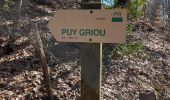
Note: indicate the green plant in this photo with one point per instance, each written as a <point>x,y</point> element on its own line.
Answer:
<point>129,28</point>
<point>135,9</point>
<point>130,48</point>
<point>5,5</point>
<point>158,90</point>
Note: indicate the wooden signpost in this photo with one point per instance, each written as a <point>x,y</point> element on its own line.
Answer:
<point>91,64</point>
<point>90,27</point>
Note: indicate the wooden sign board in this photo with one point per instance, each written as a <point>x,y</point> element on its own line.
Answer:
<point>94,26</point>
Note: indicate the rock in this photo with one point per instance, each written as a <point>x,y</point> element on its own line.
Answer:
<point>60,80</point>
<point>148,95</point>
<point>10,93</point>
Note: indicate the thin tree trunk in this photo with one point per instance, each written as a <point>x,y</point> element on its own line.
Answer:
<point>43,62</point>
<point>11,45</point>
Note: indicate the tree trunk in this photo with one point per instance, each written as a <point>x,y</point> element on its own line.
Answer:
<point>11,45</point>
<point>43,63</point>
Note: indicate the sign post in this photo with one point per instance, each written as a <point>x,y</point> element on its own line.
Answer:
<point>90,26</point>
<point>91,64</point>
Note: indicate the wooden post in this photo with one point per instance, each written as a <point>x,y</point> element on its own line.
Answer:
<point>43,63</point>
<point>91,63</point>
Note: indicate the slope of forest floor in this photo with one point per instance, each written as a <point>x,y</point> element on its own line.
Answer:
<point>124,76</point>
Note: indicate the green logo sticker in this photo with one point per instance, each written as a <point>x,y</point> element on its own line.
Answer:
<point>117,19</point>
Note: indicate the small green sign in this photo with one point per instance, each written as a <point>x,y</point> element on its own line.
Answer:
<point>117,19</point>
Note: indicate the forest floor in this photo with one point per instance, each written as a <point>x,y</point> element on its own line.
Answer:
<point>124,76</point>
